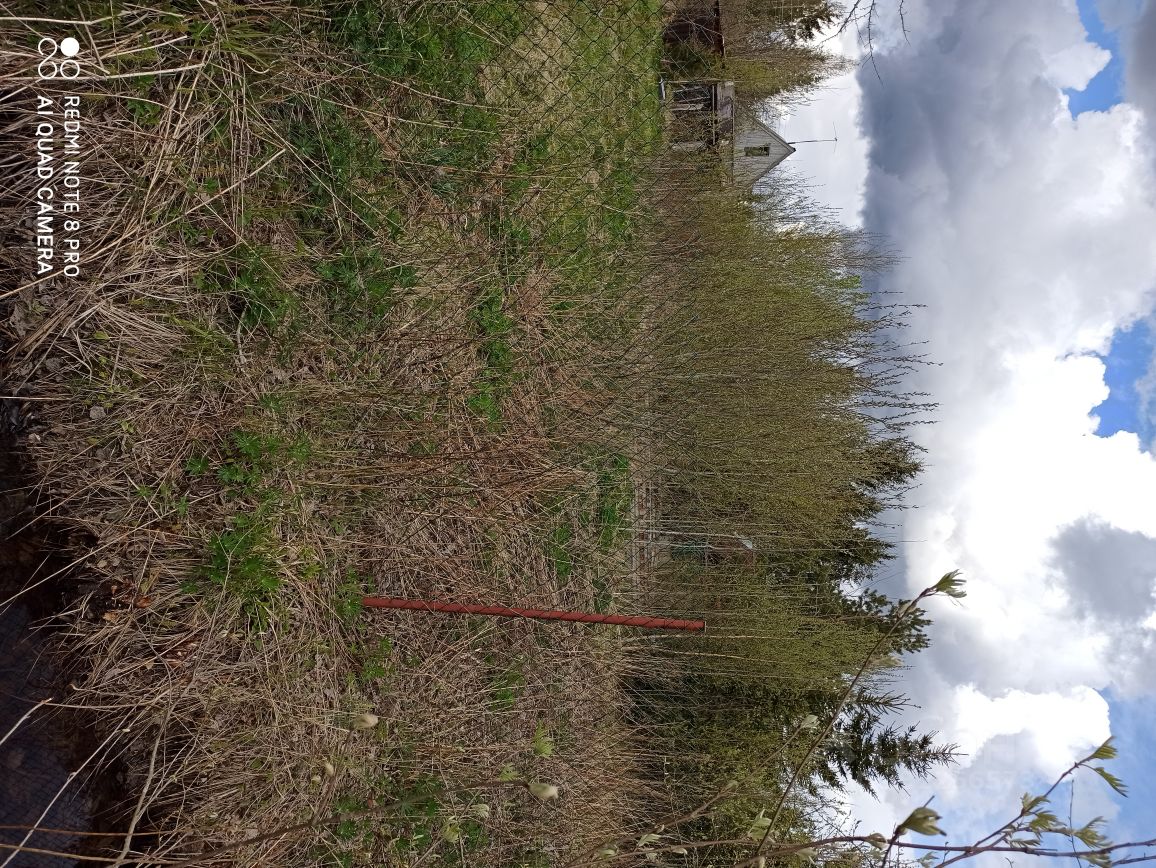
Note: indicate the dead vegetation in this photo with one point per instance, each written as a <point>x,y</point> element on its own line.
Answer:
<point>320,348</point>
<point>374,302</point>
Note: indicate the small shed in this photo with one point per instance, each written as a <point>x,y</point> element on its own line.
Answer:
<point>704,116</point>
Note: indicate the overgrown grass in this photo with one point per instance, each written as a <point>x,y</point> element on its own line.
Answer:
<point>358,347</point>
<point>399,300</point>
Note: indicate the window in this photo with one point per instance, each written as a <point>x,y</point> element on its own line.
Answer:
<point>758,151</point>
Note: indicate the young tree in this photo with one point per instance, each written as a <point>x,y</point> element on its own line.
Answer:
<point>796,21</point>
<point>1036,828</point>
<point>864,750</point>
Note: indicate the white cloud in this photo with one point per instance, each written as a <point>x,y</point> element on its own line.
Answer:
<point>1057,724</point>
<point>1109,573</point>
<point>1073,66</point>
<point>1026,234</point>
<point>835,171</point>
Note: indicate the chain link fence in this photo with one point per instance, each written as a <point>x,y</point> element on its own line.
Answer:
<point>463,306</point>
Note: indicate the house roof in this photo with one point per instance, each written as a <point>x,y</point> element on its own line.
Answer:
<point>780,148</point>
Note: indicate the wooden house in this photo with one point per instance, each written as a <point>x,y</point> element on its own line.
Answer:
<point>704,116</point>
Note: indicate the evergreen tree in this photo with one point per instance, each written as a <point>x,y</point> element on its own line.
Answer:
<point>862,750</point>
<point>795,21</point>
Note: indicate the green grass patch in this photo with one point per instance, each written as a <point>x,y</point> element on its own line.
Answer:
<point>251,457</point>
<point>376,660</point>
<point>439,46</point>
<point>615,499</point>
<point>559,545</point>
<point>241,564</point>
<point>347,600</point>
<point>493,326</point>
<point>505,687</point>
<point>249,280</point>
<point>361,284</point>
<point>341,188</point>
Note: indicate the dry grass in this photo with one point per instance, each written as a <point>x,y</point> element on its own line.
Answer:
<point>244,437</point>
<point>372,303</point>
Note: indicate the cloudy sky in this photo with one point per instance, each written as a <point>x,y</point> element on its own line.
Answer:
<point>1007,149</point>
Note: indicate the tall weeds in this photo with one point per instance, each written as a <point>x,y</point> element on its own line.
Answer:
<point>389,297</point>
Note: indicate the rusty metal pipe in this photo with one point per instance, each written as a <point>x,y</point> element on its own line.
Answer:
<point>646,621</point>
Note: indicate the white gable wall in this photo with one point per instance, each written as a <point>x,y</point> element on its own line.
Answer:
<point>770,150</point>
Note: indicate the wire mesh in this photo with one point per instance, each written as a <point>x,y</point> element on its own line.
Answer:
<point>419,301</point>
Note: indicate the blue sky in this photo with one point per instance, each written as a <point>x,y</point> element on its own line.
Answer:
<point>1107,88</point>
<point>1023,238</point>
<point>1132,721</point>
<point>1132,728</point>
<point>1126,362</point>
<point>1132,348</point>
